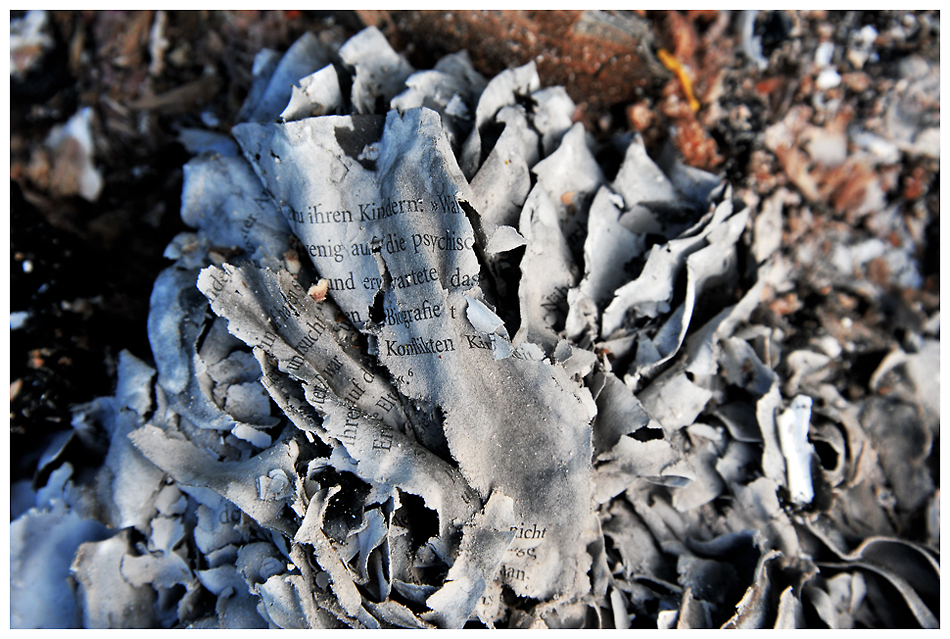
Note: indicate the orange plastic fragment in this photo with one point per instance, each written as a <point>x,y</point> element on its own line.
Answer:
<point>674,65</point>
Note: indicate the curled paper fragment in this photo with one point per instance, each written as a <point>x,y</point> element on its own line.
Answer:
<point>379,71</point>
<point>238,482</point>
<point>273,85</point>
<point>314,95</point>
<point>73,171</point>
<point>42,545</point>
<point>911,569</point>
<point>449,89</point>
<point>792,426</point>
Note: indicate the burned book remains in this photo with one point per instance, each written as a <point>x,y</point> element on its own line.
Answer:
<point>432,356</point>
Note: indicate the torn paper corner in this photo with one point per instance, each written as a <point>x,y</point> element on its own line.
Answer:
<point>314,95</point>
<point>481,317</point>
<point>484,544</point>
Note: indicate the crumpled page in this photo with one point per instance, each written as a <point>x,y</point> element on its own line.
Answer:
<point>420,364</point>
